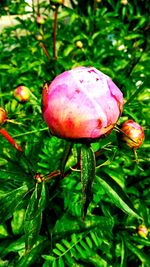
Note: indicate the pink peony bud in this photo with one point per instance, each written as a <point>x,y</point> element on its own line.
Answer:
<point>81,103</point>
<point>22,93</point>
<point>134,131</point>
<point>143,231</point>
<point>3,115</point>
<point>40,20</point>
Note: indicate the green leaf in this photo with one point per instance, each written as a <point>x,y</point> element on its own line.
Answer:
<point>88,240</point>
<point>54,264</point>
<point>123,254</point>
<point>133,36</point>
<point>67,150</point>
<point>48,257</point>
<point>31,256</point>
<point>60,247</point>
<point>139,253</point>
<point>141,241</point>
<point>10,201</point>
<point>15,246</point>
<point>87,175</point>
<point>66,243</point>
<point>33,218</point>
<point>57,252</point>
<point>117,195</point>
<point>61,262</point>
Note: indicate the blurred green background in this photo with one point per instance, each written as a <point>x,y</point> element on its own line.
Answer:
<point>40,222</point>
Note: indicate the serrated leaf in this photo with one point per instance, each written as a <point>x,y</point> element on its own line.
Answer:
<point>57,252</point>
<point>140,254</point>
<point>69,259</point>
<point>54,264</point>
<point>87,175</point>
<point>80,250</point>
<point>60,247</point>
<point>66,243</point>
<point>84,245</point>
<point>117,195</point>
<point>94,238</point>
<point>61,262</point>
<point>141,241</point>
<point>74,253</point>
<point>74,238</point>
<point>88,240</point>
<point>15,246</point>
<point>10,201</point>
<point>31,256</point>
<point>33,220</point>
<point>48,257</point>
<point>133,36</point>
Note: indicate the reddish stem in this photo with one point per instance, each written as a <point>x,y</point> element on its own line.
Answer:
<point>10,139</point>
<point>45,50</point>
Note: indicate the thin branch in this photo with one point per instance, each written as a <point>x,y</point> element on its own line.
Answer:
<point>55,33</point>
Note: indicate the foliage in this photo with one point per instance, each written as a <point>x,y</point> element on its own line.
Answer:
<point>41,211</point>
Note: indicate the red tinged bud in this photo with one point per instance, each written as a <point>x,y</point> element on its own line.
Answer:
<point>133,134</point>
<point>142,231</point>
<point>82,103</point>
<point>3,116</point>
<point>40,20</point>
<point>22,93</point>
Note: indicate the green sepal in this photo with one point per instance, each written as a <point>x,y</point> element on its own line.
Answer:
<point>87,175</point>
<point>66,154</point>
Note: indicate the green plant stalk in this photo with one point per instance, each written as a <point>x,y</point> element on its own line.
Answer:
<point>87,162</point>
<point>55,33</point>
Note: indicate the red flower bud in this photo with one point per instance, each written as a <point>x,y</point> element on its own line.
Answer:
<point>143,231</point>
<point>22,93</point>
<point>82,103</point>
<point>134,134</point>
<point>3,115</point>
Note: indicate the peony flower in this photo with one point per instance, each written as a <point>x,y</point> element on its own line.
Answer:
<point>82,103</point>
<point>134,134</point>
<point>22,93</point>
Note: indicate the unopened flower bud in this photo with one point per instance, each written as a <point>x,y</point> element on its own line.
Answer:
<point>39,37</point>
<point>82,103</point>
<point>133,134</point>
<point>57,2</point>
<point>3,116</point>
<point>40,20</point>
<point>142,231</point>
<point>124,2</point>
<point>79,44</point>
<point>22,93</point>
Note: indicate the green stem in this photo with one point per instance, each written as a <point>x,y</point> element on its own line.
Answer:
<point>31,132</point>
<point>55,33</point>
<point>87,175</point>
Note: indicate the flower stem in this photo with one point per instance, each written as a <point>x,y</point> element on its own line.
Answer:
<point>87,164</point>
<point>55,32</point>
<point>10,139</point>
